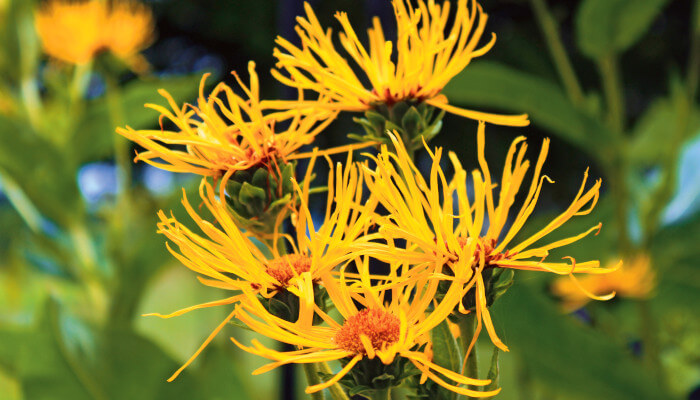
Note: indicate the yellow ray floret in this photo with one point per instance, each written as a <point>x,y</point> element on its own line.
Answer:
<point>462,235</point>
<point>76,31</point>
<point>636,279</point>
<point>226,258</point>
<point>416,66</point>
<point>225,132</point>
<point>370,326</point>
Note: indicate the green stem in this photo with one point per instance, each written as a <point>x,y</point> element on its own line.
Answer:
<point>650,340</point>
<point>121,145</point>
<point>24,206</point>
<point>312,379</point>
<point>693,77</point>
<point>617,172</point>
<point>382,394</point>
<point>467,327</point>
<point>614,97</point>
<point>337,393</point>
<point>549,28</point>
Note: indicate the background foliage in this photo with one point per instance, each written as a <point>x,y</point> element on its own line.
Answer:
<point>613,82</point>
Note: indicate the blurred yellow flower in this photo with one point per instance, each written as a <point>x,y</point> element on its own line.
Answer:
<point>76,31</point>
<point>227,258</point>
<point>370,326</point>
<point>415,67</point>
<point>635,279</point>
<point>468,234</point>
<point>225,132</point>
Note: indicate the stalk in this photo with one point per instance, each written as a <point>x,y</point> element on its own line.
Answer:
<point>313,379</point>
<point>382,394</point>
<point>467,328</point>
<point>337,393</point>
<point>612,87</point>
<point>549,28</point>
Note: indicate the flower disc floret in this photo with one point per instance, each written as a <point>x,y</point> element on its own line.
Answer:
<point>287,267</point>
<point>378,327</point>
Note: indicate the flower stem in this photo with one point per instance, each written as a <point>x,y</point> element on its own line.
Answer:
<point>312,378</point>
<point>337,393</point>
<point>614,98</point>
<point>548,25</point>
<point>650,349</point>
<point>467,328</point>
<point>382,394</point>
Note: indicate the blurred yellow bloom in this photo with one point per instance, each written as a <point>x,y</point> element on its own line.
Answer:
<point>76,31</point>
<point>414,67</point>
<point>227,258</point>
<point>370,326</point>
<point>635,279</point>
<point>225,132</point>
<point>443,226</point>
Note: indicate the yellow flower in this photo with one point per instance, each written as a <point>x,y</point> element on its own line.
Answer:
<point>414,67</point>
<point>635,279</point>
<point>227,258</point>
<point>370,326</point>
<point>76,31</point>
<point>444,227</point>
<point>222,137</point>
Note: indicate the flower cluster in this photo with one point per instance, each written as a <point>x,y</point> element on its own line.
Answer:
<point>76,31</point>
<point>448,244</point>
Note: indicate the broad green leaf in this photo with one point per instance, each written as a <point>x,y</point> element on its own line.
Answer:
<point>675,255</point>
<point>652,135</point>
<point>94,135</point>
<point>131,366</point>
<point>604,27</point>
<point>495,85</point>
<point>446,351</point>
<point>567,356</point>
<point>45,176</point>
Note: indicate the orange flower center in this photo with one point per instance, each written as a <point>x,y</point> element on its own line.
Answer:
<point>380,327</point>
<point>487,248</point>
<point>287,267</point>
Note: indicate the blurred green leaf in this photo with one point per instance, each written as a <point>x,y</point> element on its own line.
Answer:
<point>661,121</point>
<point>495,85</point>
<point>94,136</point>
<point>566,355</point>
<point>604,27</point>
<point>675,256</point>
<point>46,176</point>
<point>132,367</point>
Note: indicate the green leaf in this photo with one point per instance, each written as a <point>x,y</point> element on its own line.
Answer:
<point>132,367</point>
<point>253,198</point>
<point>33,163</point>
<point>94,136</point>
<point>675,255</point>
<point>495,85</point>
<point>650,142</point>
<point>494,371</point>
<point>566,355</point>
<point>446,351</point>
<point>604,27</point>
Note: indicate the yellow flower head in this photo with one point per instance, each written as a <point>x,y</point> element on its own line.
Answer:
<point>370,326</point>
<point>225,132</point>
<point>76,31</point>
<point>635,279</point>
<point>226,258</point>
<point>444,227</point>
<point>414,67</point>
